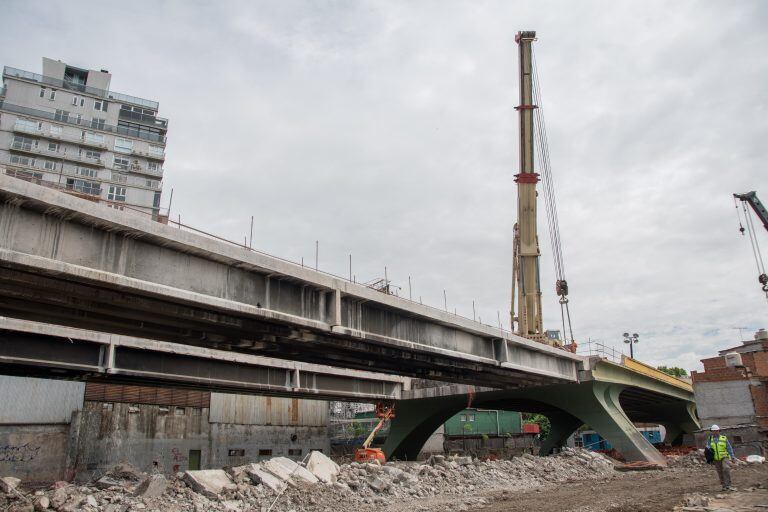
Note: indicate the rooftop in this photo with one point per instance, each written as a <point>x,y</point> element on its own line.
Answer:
<point>64,84</point>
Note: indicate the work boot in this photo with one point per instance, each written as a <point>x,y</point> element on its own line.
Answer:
<point>731,488</point>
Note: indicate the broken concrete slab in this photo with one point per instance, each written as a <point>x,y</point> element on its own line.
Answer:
<point>9,484</point>
<point>126,470</point>
<point>260,476</point>
<point>106,482</point>
<point>323,467</point>
<point>293,470</point>
<point>237,473</point>
<point>209,482</point>
<point>151,487</point>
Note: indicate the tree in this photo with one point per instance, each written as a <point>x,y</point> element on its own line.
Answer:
<point>674,371</point>
<point>543,422</point>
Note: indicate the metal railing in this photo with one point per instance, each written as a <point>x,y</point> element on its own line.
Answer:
<point>19,127</point>
<point>160,122</point>
<point>81,122</point>
<point>595,348</point>
<point>24,146</point>
<point>72,86</point>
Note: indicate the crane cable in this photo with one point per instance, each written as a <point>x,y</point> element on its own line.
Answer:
<point>753,241</point>
<point>550,202</point>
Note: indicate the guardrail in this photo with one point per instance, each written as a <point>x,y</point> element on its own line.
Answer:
<point>72,86</point>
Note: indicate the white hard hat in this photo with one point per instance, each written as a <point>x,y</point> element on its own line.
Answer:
<point>714,427</point>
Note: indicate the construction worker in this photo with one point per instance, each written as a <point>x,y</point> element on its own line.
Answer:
<point>722,455</point>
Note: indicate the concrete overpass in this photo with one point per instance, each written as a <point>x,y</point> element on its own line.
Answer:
<point>73,263</point>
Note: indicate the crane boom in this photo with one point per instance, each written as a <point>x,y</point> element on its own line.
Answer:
<point>757,206</point>
<point>526,244</point>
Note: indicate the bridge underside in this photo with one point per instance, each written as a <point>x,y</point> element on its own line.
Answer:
<point>610,409</point>
<point>39,350</point>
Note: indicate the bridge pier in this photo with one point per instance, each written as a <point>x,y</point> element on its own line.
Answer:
<point>568,406</point>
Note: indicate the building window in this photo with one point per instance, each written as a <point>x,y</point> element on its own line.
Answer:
<point>121,163</point>
<point>155,150</point>
<point>50,166</point>
<point>463,418</point>
<point>100,105</point>
<point>118,194</point>
<point>93,138</point>
<point>42,92</point>
<point>236,452</point>
<point>179,411</point>
<point>470,417</point>
<point>152,166</point>
<point>123,145</point>
<point>61,115</point>
<point>53,146</point>
<point>74,100</point>
<point>93,155</point>
<point>120,178</point>
<point>151,183</point>
<point>87,172</point>
<point>98,123</point>
<point>86,187</point>
<point>197,411</point>
<point>52,96</point>
<point>22,160</point>
<point>25,143</point>
<point>296,452</point>
<point>55,130</point>
<point>265,452</point>
<point>26,125</point>
<point>106,406</point>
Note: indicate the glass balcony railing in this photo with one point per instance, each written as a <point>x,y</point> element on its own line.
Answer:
<point>158,122</point>
<point>65,84</point>
<point>83,123</point>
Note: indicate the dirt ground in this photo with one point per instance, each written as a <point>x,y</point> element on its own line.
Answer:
<point>640,492</point>
<point>646,491</point>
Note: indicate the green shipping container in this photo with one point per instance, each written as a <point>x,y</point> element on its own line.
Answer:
<point>474,422</point>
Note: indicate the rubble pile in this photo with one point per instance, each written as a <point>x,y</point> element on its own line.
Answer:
<point>319,484</point>
<point>689,460</point>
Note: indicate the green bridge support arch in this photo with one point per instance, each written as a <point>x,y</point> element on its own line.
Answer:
<point>594,403</point>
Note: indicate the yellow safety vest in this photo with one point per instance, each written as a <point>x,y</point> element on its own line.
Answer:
<point>719,446</point>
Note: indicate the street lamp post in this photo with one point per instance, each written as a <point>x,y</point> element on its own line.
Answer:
<point>631,340</point>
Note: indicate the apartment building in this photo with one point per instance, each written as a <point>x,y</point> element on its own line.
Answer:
<point>66,129</point>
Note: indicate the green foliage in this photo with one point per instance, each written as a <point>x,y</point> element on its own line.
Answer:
<point>674,371</point>
<point>467,427</point>
<point>544,425</point>
<point>358,429</point>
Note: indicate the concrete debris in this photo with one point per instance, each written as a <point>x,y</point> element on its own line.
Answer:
<point>328,487</point>
<point>151,487</point>
<point>689,460</point>
<point>127,471</point>
<point>755,459</point>
<point>9,484</point>
<point>295,472</point>
<point>323,467</point>
<point>209,482</point>
<point>259,476</point>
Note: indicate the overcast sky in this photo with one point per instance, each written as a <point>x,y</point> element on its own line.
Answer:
<point>387,130</point>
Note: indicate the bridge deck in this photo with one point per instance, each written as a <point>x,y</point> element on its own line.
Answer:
<point>68,261</point>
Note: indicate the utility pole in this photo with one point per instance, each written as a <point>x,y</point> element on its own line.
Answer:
<point>526,243</point>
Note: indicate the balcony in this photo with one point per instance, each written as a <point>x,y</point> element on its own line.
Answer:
<point>157,122</point>
<point>82,123</point>
<point>149,154</point>
<point>20,128</point>
<point>45,152</point>
<point>64,84</point>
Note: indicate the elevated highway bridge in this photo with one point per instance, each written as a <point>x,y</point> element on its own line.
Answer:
<point>71,263</point>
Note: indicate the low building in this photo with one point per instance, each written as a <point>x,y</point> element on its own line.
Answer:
<point>731,392</point>
<point>53,430</point>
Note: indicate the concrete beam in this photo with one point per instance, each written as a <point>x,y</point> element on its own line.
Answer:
<point>55,351</point>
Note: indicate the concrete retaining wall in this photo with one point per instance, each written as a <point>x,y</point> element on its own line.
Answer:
<point>34,453</point>
<point>728,402</point>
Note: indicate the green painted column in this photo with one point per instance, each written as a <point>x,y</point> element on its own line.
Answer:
<point>562,425</point>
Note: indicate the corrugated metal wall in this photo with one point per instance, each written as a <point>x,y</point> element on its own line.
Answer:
<point>40,401</point>
<point>264,410</point>
<point>102,392</point>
